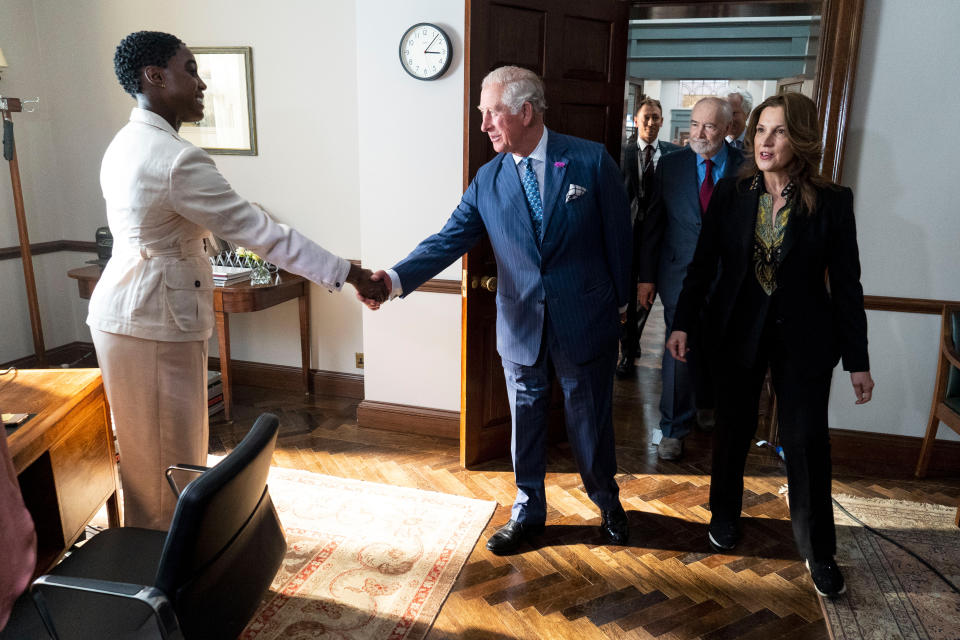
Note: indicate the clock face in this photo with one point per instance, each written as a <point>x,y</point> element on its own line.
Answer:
<point>425,51</point>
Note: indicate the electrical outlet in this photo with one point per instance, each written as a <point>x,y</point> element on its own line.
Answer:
<point>359,357</point>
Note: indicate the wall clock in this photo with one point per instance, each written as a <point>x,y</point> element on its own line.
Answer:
<point>425,51</point>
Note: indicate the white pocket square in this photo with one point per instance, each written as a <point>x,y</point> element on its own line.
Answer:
<point>574,192</point>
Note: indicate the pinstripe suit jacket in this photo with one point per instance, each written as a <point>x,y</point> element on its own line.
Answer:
<point>579,275</point>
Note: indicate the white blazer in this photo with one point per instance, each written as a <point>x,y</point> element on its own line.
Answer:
<point>164,195</point>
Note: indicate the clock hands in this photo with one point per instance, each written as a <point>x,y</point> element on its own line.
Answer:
<point>431,44</point>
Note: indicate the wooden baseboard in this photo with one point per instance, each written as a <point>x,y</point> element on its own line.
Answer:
<point>276,376</point>
<point>891,455</point>
<point>409,419</point>
<point>69,353</point>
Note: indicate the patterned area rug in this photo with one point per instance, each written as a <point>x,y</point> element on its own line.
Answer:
<point>890,595</point>
<point>364,561</point>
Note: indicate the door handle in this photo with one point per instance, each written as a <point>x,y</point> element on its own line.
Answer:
<point>486,282</point>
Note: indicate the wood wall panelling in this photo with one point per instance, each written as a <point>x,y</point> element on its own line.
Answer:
<point>277,376</point>
<point>409,419</point>
<point>37,248</point>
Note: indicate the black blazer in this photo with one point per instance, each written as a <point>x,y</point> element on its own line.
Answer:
<point>631,169</point>
<point>820,322</point>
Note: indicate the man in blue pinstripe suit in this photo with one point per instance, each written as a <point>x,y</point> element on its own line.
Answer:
<point>557,215</point>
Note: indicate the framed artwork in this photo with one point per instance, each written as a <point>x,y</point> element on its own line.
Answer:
<point>229,123</point>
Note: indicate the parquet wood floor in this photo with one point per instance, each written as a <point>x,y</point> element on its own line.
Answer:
<point>665,584</point>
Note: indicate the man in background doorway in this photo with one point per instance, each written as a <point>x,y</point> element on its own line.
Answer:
<point>741,104</point>
<point>682,189</point>
<point>641,156</point>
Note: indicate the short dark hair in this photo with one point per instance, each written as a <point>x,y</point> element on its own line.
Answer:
<point>651,102</point>
<point>142,49</point>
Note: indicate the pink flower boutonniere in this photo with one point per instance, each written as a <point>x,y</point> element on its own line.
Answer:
<point>560,165</point>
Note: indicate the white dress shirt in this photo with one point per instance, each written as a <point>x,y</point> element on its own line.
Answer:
<point>641,149</point>
<point>163,196</point>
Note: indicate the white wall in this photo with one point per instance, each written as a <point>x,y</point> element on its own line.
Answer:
<point>411,164</point>
<point>368,161</point>
<point>306,173</point>
<point>26,78</point>
<point>901,163</point>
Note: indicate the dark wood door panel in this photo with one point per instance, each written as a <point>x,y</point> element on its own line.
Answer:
<point>518,38</point>
<point>585,49</point>
<point>579,48</point>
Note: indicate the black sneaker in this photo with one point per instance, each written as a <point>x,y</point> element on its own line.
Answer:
<point>723,535</point>
<point>827,579</point>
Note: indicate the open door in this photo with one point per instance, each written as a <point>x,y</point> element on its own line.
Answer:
<point>579,48</point>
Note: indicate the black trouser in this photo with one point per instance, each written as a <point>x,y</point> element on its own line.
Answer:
<point>802,414</point>
<point>630,331</point>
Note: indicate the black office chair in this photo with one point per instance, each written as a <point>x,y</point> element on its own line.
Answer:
<point>201,580</point>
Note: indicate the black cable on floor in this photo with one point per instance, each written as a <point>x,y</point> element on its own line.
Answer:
<point>70,365</point>
<point>895,543</point>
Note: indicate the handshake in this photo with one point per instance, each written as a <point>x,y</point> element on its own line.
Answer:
<point>372,288</point>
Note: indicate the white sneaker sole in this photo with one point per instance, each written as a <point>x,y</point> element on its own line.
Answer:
<point>717,546</point>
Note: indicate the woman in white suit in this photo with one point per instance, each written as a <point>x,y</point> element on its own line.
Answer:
<point>152,311</point>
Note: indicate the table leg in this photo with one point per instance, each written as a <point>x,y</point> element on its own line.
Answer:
<point>223,337</point>
<point>113,511</point>
<point>304,301</point>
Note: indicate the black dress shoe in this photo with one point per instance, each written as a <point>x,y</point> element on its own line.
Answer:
<point>723,535</point>
<point>626,367</point>
<point>510,535</point>
<point>615,526</point>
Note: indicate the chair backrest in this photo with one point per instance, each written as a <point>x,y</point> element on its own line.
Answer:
<point>225,542</point>
<point>951,343</point>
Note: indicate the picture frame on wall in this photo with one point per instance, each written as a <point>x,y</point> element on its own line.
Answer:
<point>229,119</point>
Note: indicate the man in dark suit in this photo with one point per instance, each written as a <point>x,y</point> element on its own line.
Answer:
<point>641,156</point>
<point>557,215</point>
<point>741,104</point>
<point>682,188</point>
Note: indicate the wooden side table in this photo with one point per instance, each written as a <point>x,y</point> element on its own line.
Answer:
<point>237,298</point>
<point>243,298</point>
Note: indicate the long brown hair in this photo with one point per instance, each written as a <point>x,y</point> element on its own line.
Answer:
<point>803,132</point>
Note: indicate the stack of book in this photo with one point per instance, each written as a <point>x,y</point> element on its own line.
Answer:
<point>214,393</point>
<point>223,276</point>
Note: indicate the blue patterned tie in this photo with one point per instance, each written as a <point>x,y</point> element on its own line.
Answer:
<point>532,190</point>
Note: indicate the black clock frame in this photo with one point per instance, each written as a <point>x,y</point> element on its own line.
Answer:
<point>443,34</point>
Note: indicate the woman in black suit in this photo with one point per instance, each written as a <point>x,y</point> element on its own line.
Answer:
<point>788,297</point>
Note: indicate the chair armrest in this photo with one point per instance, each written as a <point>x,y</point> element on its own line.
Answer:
<point>151,597</point>
<point>952,355</point>
<point>190,468</point>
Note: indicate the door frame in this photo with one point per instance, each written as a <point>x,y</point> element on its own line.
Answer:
<point>837,58</point>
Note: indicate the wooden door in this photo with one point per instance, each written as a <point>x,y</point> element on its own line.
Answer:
<point>579,48</point>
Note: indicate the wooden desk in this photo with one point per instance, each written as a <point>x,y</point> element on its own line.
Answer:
<point>237,298</point>
<point>64,456</point>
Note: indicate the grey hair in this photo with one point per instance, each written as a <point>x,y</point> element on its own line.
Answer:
<point>519,85</point>
<point>723,107</point>
<point>745,95</point>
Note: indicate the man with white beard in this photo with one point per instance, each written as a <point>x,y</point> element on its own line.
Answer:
<point>682,189</point>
